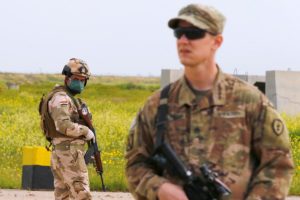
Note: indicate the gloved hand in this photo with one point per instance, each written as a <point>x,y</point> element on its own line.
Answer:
<point>90,136</point>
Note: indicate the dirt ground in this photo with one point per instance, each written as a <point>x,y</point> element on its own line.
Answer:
<point>6,194</point>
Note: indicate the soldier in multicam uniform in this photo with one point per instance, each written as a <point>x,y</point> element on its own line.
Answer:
<point>69,135</point>
<point>214,119</point>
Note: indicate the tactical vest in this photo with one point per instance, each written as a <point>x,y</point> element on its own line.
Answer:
<point>47,123</point>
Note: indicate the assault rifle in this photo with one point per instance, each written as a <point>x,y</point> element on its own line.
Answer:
<point>204,187</point>
<point>93,154</point>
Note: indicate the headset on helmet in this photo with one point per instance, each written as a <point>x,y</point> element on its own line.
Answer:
<point>66,71</point>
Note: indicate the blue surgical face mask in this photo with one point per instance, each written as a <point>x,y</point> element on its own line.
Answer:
<point>76,86</point>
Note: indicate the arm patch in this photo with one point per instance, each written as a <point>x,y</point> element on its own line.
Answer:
<point>277,126</point>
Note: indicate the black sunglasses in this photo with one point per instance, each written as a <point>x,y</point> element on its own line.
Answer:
<point>190,33</point>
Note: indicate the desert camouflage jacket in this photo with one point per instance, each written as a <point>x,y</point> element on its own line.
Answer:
<point>233,128</point>
<point>65,116</point>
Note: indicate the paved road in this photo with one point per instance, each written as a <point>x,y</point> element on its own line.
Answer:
<point>293,198</point>
<point>6,194</point>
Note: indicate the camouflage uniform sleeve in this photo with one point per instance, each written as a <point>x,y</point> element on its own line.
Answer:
<point>60,109</point>
<point>273,169</point>
<point>142,180</point>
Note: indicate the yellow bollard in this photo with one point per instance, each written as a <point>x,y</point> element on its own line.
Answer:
<point>36,156</point>
<point>36,171</point>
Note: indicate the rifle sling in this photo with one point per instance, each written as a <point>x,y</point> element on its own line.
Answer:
<point>74,100</point>
<point>162,113</point>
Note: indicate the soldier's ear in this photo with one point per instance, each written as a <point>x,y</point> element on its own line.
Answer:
<point>218,40</point>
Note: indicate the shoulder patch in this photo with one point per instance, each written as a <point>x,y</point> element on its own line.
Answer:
<point>59,99</point>
<point>277,126</point>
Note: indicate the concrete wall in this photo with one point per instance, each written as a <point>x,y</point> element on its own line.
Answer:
<point>169,76</point>
<point>282,88</point>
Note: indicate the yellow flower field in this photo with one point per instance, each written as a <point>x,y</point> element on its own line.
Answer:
<point>113,108</point>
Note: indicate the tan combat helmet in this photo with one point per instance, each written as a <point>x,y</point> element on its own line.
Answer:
<point>77,67</point>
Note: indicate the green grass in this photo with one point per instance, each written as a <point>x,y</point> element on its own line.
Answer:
<point>113,106</point>
<point>293,124</point>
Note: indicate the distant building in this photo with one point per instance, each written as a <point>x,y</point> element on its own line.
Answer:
<point>12,86</point>
<point>281,87</point>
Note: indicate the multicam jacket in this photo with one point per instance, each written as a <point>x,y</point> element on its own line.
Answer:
<point>233,128</point>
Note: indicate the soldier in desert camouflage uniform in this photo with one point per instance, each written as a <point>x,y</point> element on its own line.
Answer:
<point>213,118</point>
<point>68,135</point>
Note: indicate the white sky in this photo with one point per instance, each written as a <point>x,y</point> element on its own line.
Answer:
<point>132,38</point>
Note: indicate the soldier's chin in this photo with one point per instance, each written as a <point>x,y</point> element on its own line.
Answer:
<point>186,63</point>
<point>75,91</point>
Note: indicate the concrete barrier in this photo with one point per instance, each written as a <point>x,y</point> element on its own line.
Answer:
<point>282,88</point>
<point>169,76</point>
<point>36,171</point>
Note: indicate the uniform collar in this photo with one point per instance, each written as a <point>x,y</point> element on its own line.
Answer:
<point>214,97</point>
